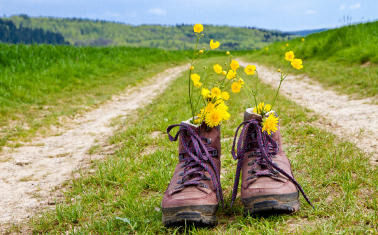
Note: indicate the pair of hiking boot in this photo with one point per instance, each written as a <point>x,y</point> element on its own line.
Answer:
<point>194,193</point>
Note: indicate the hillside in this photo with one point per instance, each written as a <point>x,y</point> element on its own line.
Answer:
<point>103,33</point>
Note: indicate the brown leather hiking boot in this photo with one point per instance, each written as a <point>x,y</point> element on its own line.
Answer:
<point>193,195</point>
<point>268,184</point>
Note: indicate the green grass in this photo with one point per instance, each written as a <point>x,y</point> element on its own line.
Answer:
<point>39,83</point>
<point>345,58</point>
<point>335,174</point>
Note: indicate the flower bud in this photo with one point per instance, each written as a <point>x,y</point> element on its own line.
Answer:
<point>202,35</point>
<point>191,67</point>
<point>227,53</point>
<point>200,51</point>
<point>203,48</point>
<point>204,67</point>
<point>279,70</point>
<point>224,72</point>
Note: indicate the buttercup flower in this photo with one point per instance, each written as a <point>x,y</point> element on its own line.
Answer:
<point>303,39</point>
<point>270,124</point>
<point>234,65</point>
<point>209,107</point>
<point>205,93</point>
<point>297,63</point>
<point>213,44</point>
<point>213,118</point>
<point>235,87</point>
<point>195,78</point>
<point>224,73</point>
<point>227,53</point>
<point>216,92</point>
<point>279,70</point>
<point>201,51</point>
<point>230,74</point>
<point>225,95</point>
<point>287,44</point>
<point>198,28</point>
<point>289,56</point>
<point>266,48</point>
<point>250,69</point>
<point>191,67</point>
<point>217,68</point>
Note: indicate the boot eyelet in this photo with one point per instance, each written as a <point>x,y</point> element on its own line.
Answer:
<point>208,140</point>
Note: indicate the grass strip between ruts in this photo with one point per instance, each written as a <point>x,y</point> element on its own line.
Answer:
<point>123,195</point>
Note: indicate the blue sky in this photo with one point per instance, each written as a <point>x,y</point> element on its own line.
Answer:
<point>284,15</point>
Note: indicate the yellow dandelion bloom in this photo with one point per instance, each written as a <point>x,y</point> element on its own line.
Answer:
<point>234,65</point>
<point>224,73</point>
<point>267,107</point>
<point>303,39</point>
<point>235,87</point>
<point>216,91</point>
<point>230,74</point>
<point>225,115</point>
<point>287,44</point>
<point>213,44</point>
<point>289,56</point>
<point>209,107</point>
<point>217,68</point>
<point>213,118</point>
<point>198,28</point>
<point>191,67</point>
<point>270,124</point>
<point>205,93</point>
<point>266,48</point>
<point>297,63</point>
<point>222,106</point>
<point>250,69</point>
<point>225,95</point>
<point>259,108</point>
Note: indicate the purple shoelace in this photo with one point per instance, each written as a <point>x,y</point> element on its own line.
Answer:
<point>267,148</point>
<point>195,163</point>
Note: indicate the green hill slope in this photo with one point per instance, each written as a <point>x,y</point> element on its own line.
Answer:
<point>346,57</point>
<point>102,33</point>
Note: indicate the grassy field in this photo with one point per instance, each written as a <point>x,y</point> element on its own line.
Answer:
<point>345,58</point>
<point>123,195</point>
<point>39,83</point>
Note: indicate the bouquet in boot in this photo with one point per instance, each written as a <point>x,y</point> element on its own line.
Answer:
<point>195,191</point>
<point>268,184</point>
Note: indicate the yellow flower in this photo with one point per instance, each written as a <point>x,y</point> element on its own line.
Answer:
<point>209,107</point>
<point>201,113</point>
<point>234,65</point>
<point>224,73</point>
<point>205,93</point>
<point>213,118</point>
<point>191,67</point>
<point>217,68</point>
<point>200,51</point>
<point>225,95</point>
<point>270,124</point>
<point>230,74</point>
<point>279,70</point>
<point>297,63</point>
<point>227,53</point>
<point>287,44</point>
<point>213,44</point>
<point>250,69</point>
<point>216,91</point>
<point>266,48</point>
<point>303,39</point>
<point>195,78</point>
<point>235,87</point>
<point>289,56</point>
<point>198,28</point>
<point>241,81</point>
<point>267,107</point>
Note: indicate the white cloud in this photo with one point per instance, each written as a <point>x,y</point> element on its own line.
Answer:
<point>110,14</point>
<point>355,6</point>
<point>156,11</point>
<point>342,7</point>
<point>311,12</point>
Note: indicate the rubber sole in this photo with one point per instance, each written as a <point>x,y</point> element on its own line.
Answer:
<point>272,204</point>
<point>199,215</point>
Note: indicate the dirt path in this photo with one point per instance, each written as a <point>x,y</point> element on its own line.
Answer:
<point>354,120</point>
<point>30,173</point>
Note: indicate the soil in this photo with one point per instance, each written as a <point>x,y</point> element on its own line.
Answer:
<point>355,120</point>
<point>31,176</point>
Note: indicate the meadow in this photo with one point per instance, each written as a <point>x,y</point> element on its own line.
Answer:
<point>124,192</point>
<point>344,58</point>
<point>39,83</point>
